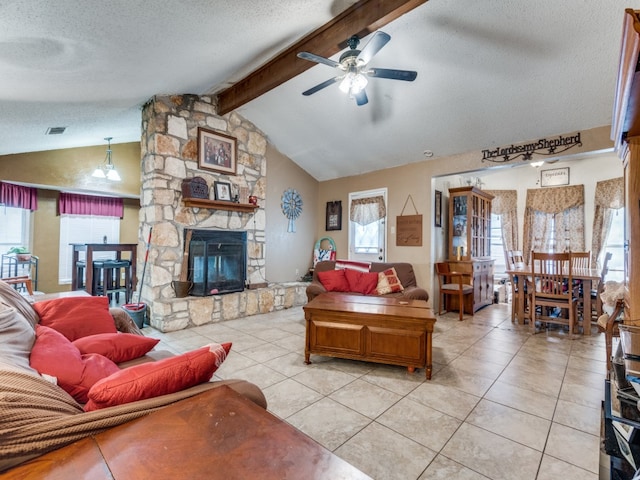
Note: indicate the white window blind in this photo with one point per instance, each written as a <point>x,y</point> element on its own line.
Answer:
<point>14,228</point>
<point>84,229</point>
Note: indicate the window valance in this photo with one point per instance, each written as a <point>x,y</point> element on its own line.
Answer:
<point>555,200</point>
<point>367,210</point>
<point>610,193</point>
<point>75,204</point>
<point>503,201</point>
<point>18,196</point>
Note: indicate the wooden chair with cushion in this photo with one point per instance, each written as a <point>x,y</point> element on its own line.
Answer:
<point>609,325</point>
<point>452,283</point>
<point>515,259</point>
<point>553,289</point>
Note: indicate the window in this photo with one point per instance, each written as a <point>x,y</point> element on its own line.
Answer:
<point>367,234</point>
<point>615,245</point>
<point>497,246</point>
<point>14,227</point>
<point>84,229</point>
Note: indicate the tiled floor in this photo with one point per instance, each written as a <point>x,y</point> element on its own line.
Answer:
<point>502,403</point>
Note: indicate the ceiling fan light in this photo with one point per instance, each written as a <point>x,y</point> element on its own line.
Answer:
<point>347,81</point>
<point>358,84</point>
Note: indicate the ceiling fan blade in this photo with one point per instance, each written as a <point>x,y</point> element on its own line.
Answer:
<point>407,75</point>
<point>361,98</point>
<point>375,44</point>
<point>318,59</point>
<point>320,86</point>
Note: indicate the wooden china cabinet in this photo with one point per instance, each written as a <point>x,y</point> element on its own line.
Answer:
<point>625,132</point>
<point>623,451</point>
<point>470,243</point>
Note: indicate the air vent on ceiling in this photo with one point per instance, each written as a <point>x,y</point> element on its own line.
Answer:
<point>56,130</point>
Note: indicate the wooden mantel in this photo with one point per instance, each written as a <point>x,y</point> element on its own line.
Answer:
<point>219,205</point>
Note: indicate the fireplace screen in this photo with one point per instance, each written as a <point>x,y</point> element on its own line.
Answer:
<point>217,261</point>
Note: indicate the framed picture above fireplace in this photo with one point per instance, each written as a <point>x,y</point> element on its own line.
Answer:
<point>216,151</point>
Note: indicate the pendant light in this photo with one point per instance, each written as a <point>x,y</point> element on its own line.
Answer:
<point>107,169</point>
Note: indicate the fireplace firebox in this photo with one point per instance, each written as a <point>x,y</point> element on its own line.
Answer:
<point>217,261</point>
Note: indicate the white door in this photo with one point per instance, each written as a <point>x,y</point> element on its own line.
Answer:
<point>367,242</point>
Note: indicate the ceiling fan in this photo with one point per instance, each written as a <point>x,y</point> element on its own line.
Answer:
<point>354,70</point>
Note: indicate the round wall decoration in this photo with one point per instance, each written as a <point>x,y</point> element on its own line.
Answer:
<point>291,207</point>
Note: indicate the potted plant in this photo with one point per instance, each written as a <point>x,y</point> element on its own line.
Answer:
<point>21,253</point>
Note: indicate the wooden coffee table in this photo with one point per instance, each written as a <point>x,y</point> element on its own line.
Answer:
<point>370,328</point>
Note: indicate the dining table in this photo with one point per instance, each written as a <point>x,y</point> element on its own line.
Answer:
<point>587,275</point>
<point>90,249</point>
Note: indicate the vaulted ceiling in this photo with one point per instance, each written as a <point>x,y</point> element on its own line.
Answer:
<point>489,73</point>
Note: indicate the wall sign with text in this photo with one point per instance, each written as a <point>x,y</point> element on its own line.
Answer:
<point>554,177</point>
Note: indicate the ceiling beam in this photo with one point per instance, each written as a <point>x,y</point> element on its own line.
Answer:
<point>360,19</point>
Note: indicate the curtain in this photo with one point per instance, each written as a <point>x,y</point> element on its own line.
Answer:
<point>74,204</point>
<point>609,196</point>
<point>561,206</point>
<point>505,204</point>
<point>367,210</point>
<point>18,196</point>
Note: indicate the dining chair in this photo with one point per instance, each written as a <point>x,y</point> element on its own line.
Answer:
<point>596,301</point>
<point>515,259</point>
<point>452,284</point>
<point>553,290</point>
<point>581,260</point>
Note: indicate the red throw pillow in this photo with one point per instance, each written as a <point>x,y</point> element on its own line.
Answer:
<point>76,317</point>
<point>361,282</point>
<point>153,379</point>
<point>117,347</point>
<point>53,354</point>
<point>334,281</point>
<point>388,282</point>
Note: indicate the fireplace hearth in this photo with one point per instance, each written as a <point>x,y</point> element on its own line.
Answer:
<point>217,261</point>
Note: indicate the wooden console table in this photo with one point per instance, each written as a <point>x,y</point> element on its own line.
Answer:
<point>370,328</point>
<point>215,434</point>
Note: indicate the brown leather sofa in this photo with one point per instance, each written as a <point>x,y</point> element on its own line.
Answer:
<point>39,417</point>
<point>404,271</point>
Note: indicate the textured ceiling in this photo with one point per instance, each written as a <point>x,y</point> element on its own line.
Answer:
<point>489,73</point>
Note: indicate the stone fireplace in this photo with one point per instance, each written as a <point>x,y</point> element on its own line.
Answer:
<point>169,155</point>
<point>217,261</point>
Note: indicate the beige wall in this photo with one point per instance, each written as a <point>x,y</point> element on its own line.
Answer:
<point>289,255</point>
<point>70,169</point>
<point>419,181</point>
